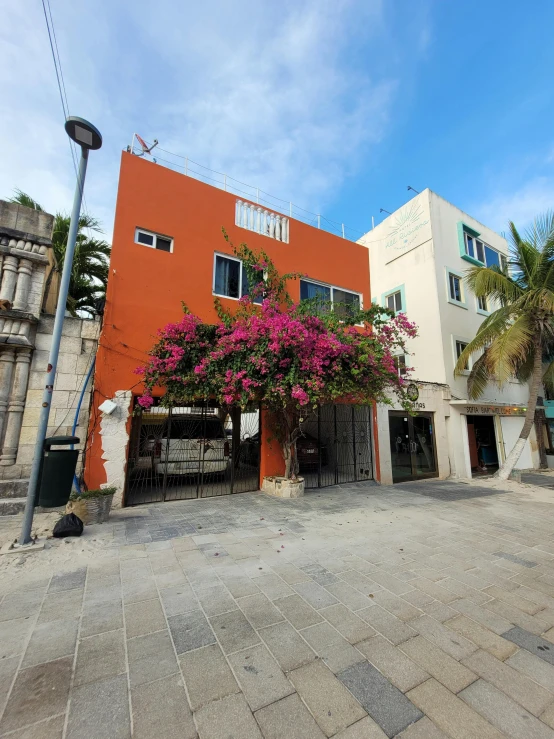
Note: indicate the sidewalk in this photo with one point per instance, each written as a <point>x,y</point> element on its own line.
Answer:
<point>422,611</point>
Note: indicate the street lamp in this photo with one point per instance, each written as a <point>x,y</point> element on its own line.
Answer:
<point>88,138</point>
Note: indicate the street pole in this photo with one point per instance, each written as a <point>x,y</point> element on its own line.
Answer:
<point>88,138</point>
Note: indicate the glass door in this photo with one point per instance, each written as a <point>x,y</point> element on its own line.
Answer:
<point>412,444</point>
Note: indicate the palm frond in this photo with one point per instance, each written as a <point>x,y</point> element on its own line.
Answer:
<point>509,350</point>
<point>548,378</point>
<point>22,198</point>
<point>479,377</point>
<point>492,284</point>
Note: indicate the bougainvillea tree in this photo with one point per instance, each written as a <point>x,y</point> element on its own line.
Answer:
<point>290,357</point>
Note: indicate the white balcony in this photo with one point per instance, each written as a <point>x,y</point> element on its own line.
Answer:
<point>262,221</point>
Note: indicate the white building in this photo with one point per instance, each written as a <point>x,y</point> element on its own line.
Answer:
<point>418,257</point>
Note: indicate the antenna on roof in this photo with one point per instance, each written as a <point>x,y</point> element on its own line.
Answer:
<point>413,189</point>
<point>382,210</point>
<point>145,149</point>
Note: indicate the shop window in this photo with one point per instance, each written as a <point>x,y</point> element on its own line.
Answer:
<point>153,240</point>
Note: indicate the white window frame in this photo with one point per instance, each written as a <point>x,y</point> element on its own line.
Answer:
<point>501,255</point>
<point>482,311</point>
<point>461,340</point>
<point>405,355</point>
<point>393,295</point>
<point>460,303</point>
<point>233,259</point>
<point>155,236</point>
<point>333,288</point>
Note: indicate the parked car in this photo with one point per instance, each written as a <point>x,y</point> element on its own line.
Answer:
<point>195,444</point>
<point>309,451</point>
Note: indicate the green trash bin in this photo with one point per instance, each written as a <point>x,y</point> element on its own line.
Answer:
<point>57,471</point>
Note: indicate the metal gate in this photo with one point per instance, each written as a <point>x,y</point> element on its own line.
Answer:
<point>336,446</point>
<point>192,451</point>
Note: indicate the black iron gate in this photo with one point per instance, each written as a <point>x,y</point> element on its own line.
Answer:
<point>336,446</point>
<point>192,451</point>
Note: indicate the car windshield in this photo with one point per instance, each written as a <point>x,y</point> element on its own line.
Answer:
<point>197,428</point>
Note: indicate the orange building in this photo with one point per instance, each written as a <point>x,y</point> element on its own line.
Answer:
<point>167,248</point>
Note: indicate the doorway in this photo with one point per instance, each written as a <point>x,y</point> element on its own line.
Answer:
<point>412,446</point>
<point>483,455</point>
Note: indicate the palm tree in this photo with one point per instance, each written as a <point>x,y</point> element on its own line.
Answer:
<point>516,340</point>
<point>89,274</point>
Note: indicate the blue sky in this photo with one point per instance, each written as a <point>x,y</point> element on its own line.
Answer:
<point>336,105</point>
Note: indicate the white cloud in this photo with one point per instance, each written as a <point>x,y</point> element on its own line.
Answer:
<point>279,95</point>
<point>520,205</point>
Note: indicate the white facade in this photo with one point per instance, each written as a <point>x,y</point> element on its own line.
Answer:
<point>415,252</point>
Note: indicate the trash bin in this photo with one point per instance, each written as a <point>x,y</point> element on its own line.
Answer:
<point>57,471</point>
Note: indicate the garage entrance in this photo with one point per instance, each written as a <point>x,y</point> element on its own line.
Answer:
<point>192,451</point>
<point>336,446</point>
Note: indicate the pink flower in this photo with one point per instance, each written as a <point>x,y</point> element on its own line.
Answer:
<point>146,401</point>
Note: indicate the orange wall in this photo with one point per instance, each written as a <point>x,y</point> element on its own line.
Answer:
<point>146,286</point>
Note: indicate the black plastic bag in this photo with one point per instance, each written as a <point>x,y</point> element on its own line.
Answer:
<point>69,525</point>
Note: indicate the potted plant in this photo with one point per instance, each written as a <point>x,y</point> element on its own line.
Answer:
<point>91,506</point>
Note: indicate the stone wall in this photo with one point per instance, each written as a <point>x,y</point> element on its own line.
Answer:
<point>77,350</point>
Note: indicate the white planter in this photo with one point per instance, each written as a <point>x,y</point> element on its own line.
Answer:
<point>283,488</point>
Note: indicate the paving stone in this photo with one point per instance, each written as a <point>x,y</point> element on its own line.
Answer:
<point>440,611</point>
<point>392,663</point>
<point>483,637</point>
<point>207,675</point>
<point>395,605</point>
<point>14,635</point>
<point>516,560</point>
<point>290,574</point>
<point>103,705</point>
<point>330,703</point>
<point>386,624</point>
<point>315,595</point>
<point>548,716</point>
<point>536,669</point>
<point>513,615</point>
<point>434,590</point>
<point>439,664</point>
<point>422,729</point>
<point>513,599</point>
<point>233,631</point>
<point>144,618</point>
<point>396,586</point>
<point>532,643</point>
<point>450,714</point>
<point>259,676</point>
<point>100,617</point>
<point>21,604</point>
<point>287,646</point>
<point>65,604</point>
<point>135,591</point>
<point>364,729</point>
<point>339,656</point>
<point>228,718</point>
<point>446,639</point>
<point>160,709</point>
<point>50,641</point>
<point>259,610</point>
<point>353,629</point>
<point>298,612</point>
<point>289,718</point>
<point>273,587</point>
<point>348,595</point>
<point>68,580</point>
<point>464,591</point>
<point>50,728</point>
<point>509,717</point>
<point>418,598</point>
<point>215,600</point>
<point>520,688</point>
<point>190,631</point>
<point>135,569</point>
<point>38,692</point>
<point>240,586</point>
<point>178,599</point>
<point>386,705</point>
<point>100,656</point>
<point>360,582</point>
<point>150,657</point>
<point>322,635</point>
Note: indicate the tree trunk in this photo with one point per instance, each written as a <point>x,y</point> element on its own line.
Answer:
<point>511,460</point>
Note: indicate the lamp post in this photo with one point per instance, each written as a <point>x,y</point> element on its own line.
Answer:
<point>88,138</point>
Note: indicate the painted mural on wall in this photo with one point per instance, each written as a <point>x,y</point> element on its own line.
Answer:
<point>409,227</point>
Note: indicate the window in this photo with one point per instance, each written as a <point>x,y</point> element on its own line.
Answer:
<point>342,302</point>
<point>483,305</point>
<point>153,240</point>
<point>460,346</point>
<point>477,251</point>
<point>400,364</point>
<point>230,278</point>
<point>455,287</point>
<point>394,301</point>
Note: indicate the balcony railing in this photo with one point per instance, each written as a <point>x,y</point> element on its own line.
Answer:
<point>261,221</point>
<point>273,206</point>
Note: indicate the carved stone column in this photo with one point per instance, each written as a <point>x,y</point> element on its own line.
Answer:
<point>24,272</point>
<point>9,278</point>
<point>16,406</point>
<point>7,360</point>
